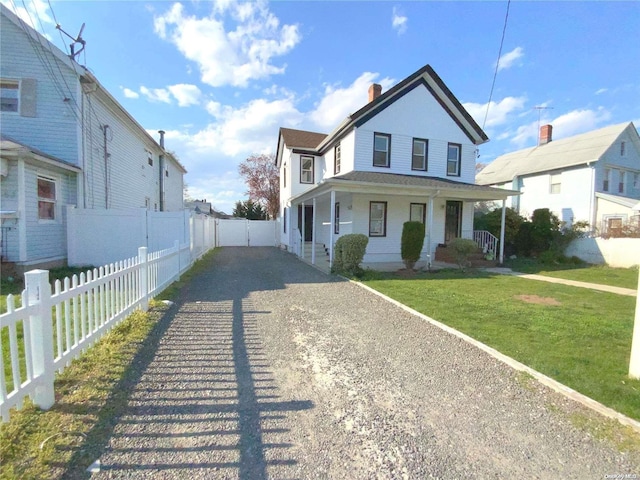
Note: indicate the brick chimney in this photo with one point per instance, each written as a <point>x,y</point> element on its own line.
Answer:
<point>545,134</point>
<point>374,91</point>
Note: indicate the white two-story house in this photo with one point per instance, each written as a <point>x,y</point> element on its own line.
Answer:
<point>592,177</point>
<point>65,141</point>
<point>409,154</point>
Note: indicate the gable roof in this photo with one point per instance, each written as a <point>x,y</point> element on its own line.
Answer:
<point>426,76</point>
<point>567,152</point>
<point>631,203</point>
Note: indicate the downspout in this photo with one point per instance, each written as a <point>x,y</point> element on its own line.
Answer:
<point>161,172</point>
<point>592,199</point>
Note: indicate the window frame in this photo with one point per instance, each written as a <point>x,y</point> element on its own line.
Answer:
<point>384,219</point>
<point>336,218</point>
<point>623,149</point>
<point>17,88</point>
<point>606,181</point>
<point>424,212</point>
<point>387,136</point>
<point>425,157</point>
<point>284,176</point>
<point>52,201</point>
<point>552,184</point>
<point>457,161</point>
<point>636,180</point>
<point>337,158</point>
<point>312,172</point>
<point>149,157</point>
<point>622,182</point>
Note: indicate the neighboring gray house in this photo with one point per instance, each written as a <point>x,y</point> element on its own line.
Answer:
<point>408,154</point>
<point>66,141</point>
<point>593,177</point>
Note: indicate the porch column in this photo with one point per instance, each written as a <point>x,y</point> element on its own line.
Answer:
<point>504,210</point>
<point>313,234</point>
<point>302,232</point>
<point>429,229</point>
<point>22,208</point>
<point>332,228</point>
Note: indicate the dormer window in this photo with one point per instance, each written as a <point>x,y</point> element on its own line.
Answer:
<point>306,169</point>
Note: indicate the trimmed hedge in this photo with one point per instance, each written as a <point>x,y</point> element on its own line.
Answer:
<point>348,254</point>
<point>411,243</point>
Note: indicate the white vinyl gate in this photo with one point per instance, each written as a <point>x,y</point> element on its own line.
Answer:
<point>246,233</point>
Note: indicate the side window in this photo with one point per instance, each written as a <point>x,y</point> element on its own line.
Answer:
<point>337,158</point>
<point>378,219</point>
<point>9,96</point>
<point>306,169</point>
<point>46,198</point>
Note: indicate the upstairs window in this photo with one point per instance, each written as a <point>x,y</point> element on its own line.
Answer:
<point>419,154</point>
<point>636,180</point>
<point>381,149</point>
<point>606,180</point>
<point>554,183</point>
<point>453,159</point>
<point>306,169</point>
<point>622,149</point>
<point>337,158</point>
<point>622,183</point>
<point>9,96</point>
<point>149,158</point>
<point>46,198</point>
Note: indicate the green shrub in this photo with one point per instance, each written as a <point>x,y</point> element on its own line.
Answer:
<point>463,248</point>
<point>348,254</point>
<point>492,221</point>
<point>411,243</point>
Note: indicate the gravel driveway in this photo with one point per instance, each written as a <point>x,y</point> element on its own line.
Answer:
<point>272,369</point>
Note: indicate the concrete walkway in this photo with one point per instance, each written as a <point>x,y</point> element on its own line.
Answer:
<point>269,368</point>
<point>593,286</point>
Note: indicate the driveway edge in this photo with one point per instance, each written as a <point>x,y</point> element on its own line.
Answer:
<point>549,382</point>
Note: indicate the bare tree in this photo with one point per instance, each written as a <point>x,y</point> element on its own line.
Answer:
<point>261,175</point>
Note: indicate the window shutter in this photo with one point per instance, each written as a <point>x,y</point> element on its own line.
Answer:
<point>28,97</point>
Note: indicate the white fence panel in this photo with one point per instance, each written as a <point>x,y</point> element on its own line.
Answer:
<point>164,228</point>
<point>99,237</point>
<point>233,233</point>
<point>52,329</point>
<point>615,252</point>
<point>262,233</point>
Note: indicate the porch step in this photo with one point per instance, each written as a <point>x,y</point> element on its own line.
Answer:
<point>444,254</point>
<point>322,252</point>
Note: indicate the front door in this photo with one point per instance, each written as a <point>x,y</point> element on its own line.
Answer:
<point>308,221</point>
<point>452,221</point>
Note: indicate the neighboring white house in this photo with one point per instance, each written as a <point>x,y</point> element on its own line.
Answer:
<point>66,141</point>
<point>593,177</point>
<point>409,154</point>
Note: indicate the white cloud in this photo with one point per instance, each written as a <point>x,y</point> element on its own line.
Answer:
<point>499,112</point>
<point>185,94</point>
<point>601,91</point>
<point>229,57</point>
<point>399,21</point>
<point>337,103</point>
<point>511,58</point>
<point>565,125</point>
<point>128,93</point>
<point>156,94</point>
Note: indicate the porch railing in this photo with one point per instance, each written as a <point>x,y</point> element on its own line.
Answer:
<point>486,241</point>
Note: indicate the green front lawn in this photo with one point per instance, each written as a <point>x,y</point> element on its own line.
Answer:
<point>580,337</point>
<point>616,277</point>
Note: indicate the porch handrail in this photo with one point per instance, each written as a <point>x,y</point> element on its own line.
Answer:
<point>298,243</point>
<point>486,241</point>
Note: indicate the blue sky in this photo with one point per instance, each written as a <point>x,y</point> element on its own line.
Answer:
<point>222,77</point>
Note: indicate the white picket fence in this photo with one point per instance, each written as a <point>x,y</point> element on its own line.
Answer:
<point>52,329</point>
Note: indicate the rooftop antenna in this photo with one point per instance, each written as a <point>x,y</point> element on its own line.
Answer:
<point>540,108</point>
<point>76,40</point>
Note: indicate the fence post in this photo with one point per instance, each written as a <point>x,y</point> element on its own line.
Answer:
<point>176,245</point>
<point>634,361</point>
<point>39,293</point>
<point>143,268</point>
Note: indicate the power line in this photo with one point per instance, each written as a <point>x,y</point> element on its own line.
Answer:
<point>495,73</point>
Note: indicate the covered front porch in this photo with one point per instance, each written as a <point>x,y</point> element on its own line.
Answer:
<point>377,205</point>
